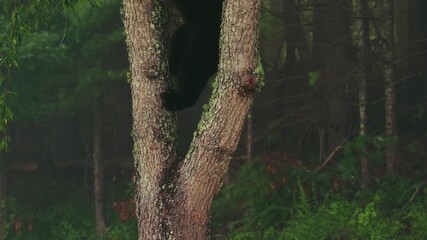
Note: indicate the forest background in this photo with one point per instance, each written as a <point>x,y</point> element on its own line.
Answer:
<point>334,146</point>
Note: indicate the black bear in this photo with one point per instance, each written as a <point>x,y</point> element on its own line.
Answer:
<point>194,51</point>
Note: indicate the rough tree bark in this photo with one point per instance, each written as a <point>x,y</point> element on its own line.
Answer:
<point>389,79</point>
<point>174,197</point>
<point>153,127</point>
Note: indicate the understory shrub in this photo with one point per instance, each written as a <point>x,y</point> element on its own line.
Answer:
<point>261,205</point>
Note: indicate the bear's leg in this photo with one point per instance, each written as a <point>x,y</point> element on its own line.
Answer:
<point>199,63</point>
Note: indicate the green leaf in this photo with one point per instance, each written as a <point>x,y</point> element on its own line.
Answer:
<point>313,78</point>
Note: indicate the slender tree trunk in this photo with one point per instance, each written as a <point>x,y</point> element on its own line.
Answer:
<point>86,164</point>
<point>363,77</point>
<point>302,41</point>
<point>46,166</point>
<point>173,197</point>
<point>290,19</point>
<point>402,28</point>
<point>3,193</point>
<point>291,29</point>
<point>114,162</point>
<point>389,79</point>
<point>331,44</point>
<point>98,171</point>
<point>249,137</point>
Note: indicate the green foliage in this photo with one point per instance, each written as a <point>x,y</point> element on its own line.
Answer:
<point>252,195</point>
<point>71,219</point>
<point>319,224</point>
<point>62,210</point>
<point>343,220</point>
<point>373,148</point>
<point>123,230</point>
<point>8,206</point>
<point>65,65</point>
<point>417,217</point>
<point>251,208</point>
<point>313,78</point>
<point>5,117</point>
<point>17,20</point>
<point>67,221</point>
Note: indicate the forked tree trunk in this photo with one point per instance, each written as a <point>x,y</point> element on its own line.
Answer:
<point>174,197</point>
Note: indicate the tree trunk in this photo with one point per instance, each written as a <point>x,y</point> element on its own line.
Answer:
<point>173,197</point>
<point>296,54</point>
<point>363,103</point>
<point>154,130</point>
<point>98,171</point>
<point>249,137</point>
<point>221,125</point>
<point>331,45</point>
<point>3,185</point>
<point>389,79</point>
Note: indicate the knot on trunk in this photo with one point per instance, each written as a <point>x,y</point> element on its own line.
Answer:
<point>248,84</point>
<point>151,73</point>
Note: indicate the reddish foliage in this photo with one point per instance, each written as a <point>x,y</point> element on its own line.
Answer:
<point>278,161</point>
<point>125,209</point>
<point>17,225</point>
<point>31,223</point>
